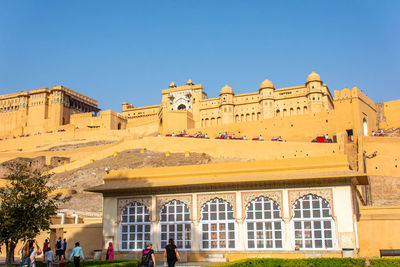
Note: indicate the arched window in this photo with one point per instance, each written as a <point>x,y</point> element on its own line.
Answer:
<point>135,227</point>
<point>175,223</point>
<point>365,127</point>
<point>312,223</point>
<point>264,224</point>
<point>237,118</point>
<point>217,225</point>
<point>212,121</point>
<point>181,107</point>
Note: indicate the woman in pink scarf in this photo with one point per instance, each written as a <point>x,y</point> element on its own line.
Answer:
<point>110,252</point>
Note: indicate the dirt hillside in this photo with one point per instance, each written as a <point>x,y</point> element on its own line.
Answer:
<point>90,204</point>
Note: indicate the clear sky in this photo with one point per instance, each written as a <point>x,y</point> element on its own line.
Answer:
<point>117,51</point>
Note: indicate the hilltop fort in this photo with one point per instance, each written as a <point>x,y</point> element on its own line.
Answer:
<point>276,172</point>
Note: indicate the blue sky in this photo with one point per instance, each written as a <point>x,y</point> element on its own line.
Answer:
<point>117,51</point>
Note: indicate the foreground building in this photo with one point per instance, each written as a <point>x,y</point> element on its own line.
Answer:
<point>281,208</point>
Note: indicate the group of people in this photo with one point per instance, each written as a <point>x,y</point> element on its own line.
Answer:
<point>171,255</point>
<point>30,250</point>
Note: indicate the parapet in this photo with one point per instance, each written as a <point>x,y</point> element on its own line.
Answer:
<point>354,93</point>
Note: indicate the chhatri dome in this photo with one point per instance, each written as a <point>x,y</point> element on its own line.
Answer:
<point>313,77</point>
<point>172,85</point>
<point>226,90</point>
<point>189,82</point>
<point>266,84</point>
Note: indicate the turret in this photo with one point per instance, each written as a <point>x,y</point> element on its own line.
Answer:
<point>266,93</point>
<point>314,92</point>
<point>226,107</point>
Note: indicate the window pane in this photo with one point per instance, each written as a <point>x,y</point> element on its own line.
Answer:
<point>251,244</point>
<point>317,234</point>
<point>327,224</point>
<point>250,235</point>
<point>328,234</point>
<point>306,214</point>
<point>316,214</point>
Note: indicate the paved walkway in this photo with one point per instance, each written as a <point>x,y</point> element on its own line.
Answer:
<point>187,264</point>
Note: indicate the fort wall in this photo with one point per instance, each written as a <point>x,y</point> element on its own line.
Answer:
<point>378,228</point>
<point>391,113</point>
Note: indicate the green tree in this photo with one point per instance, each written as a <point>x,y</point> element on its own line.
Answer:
<point>26,205</point>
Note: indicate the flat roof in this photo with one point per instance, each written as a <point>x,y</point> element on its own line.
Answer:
<point>271,173</point>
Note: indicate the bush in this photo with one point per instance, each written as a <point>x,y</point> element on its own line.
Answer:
<point>385,262</point>
<point>103,263</point>
<point>314,262</point>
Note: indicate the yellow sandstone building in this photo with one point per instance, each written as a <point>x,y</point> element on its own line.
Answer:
<point>41,109</point>
<point>282,199</point>
<point>299,112</point>
<point>190,103</point>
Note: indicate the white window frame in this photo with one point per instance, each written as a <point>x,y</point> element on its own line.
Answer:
<point>135,225</point>
<point>312,220</point>
<point>175,222</point>
<point>219,222</point>
<point>263,220</point>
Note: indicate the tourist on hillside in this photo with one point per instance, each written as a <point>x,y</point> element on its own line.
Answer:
<point>49,257</point>
<point>260,138</point>
<point>171,253</point>
<point>110,252</point>
<point>64,247</point>
<point>148,259</point>
<point>59,248</point>
<point>77,255</point>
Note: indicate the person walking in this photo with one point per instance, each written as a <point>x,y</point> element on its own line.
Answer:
<point>49,257</point>
<point>64,247</point>
<point>110,252</point>
<point>148,259</point>
<point>45,248</point>
<point>28,253</point>
<point>77,254</point>
<point>171,253</point>
<point>59,248</point>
